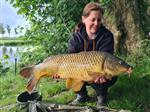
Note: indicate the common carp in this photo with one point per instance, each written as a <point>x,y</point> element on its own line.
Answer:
<point>76,68</point>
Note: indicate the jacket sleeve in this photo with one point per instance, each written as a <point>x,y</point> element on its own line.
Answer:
<point>73,44</point>
<point>107,43</point>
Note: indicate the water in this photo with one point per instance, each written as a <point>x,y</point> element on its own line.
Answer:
<point>9,56</point>
<point>11,53</point>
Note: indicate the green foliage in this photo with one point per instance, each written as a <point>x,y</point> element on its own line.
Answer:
<point>144,17</point>
<point>3,68</point>
<point>31,55</point>
<point>51,24</point>
<point>8,29</point>
<point>2,30</point>
<point>12,42</point>
<point>7,81</point>
<point>131,93</point>
<point>145,47</point>
<point>16,32</point>
<point>52,88</point>
<point>105,3</point>
<point>63,98</point>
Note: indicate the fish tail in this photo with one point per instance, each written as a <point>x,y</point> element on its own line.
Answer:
<point>31,84</point>
<point>26,72</point>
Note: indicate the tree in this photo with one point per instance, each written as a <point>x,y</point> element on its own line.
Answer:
<point>128,19</point>
<point>16,32</point>
<point>8,29</point>
<point>51,21</point>
<point>131,22</point>
<point>2,30</point>
<point>20,29</point>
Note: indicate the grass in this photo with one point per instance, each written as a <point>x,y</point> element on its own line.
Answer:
<point>12,42</point>
<point>129,93</point>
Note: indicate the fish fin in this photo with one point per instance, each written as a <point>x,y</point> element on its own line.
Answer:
<point>75,84</point>
<point>69,83</point>
<point>109,77</point>
<point>77,87</point>
<point>26,72</point>
<point>94,75</point>
<point>31,84</point>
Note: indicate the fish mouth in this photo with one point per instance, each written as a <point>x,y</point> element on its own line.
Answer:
<point>129,71</point>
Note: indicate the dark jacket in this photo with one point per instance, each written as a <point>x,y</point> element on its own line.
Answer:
<point>104,41</point>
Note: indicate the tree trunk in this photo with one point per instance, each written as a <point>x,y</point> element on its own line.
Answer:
<point>126,14</point>
<point>130,24</point>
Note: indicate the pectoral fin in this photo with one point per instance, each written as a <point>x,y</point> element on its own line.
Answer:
<point>94,75</point>
<point>74,84</point>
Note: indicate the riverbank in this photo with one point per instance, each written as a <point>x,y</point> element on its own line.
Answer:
<point>12,41</point>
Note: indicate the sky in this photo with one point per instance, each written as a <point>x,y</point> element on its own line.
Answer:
<point>9,16</point>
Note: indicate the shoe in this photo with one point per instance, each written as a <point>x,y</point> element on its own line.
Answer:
<point>80,99</point>
<point>101,101</point>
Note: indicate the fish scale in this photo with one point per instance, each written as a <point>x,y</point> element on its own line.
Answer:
<point>69,65</point>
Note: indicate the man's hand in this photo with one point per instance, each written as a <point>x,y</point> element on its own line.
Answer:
<point>100,80</point>
<point>56,76</point>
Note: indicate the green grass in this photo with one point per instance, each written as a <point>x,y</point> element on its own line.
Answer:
<point>12,42</point>
<point>129,93</point>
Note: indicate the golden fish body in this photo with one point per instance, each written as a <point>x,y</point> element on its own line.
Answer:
<point>77,68</point>
<point>74,66</point>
